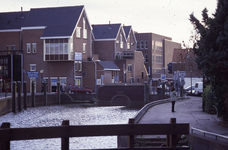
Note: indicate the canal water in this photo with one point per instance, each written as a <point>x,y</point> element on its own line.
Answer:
<point>77,114</point>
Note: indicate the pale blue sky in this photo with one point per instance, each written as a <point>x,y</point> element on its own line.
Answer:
<point>164,17</point>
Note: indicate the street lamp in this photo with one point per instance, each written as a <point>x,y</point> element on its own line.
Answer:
<point>41,78</point>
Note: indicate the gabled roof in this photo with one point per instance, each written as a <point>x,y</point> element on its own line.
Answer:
<point>106,31</point>
<point>58,21</point>
<point>109,65</point>
<point>127,30</point>
<point>12,20</point>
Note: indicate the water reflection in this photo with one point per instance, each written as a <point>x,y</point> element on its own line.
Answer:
<point>78,114</point>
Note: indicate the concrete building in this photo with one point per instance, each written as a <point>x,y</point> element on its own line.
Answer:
<point>157,51</point>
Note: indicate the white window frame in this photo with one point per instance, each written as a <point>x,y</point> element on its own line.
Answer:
<point>138,45</point>
<point>146,58</point>
<point>128,45</point>
<point>146,44</point>
<point>84,48</point>
<point>34,48</point>
<point>78,32</point>
<point>28,45</point>
<point>158,59</point>
<point>84,28</point>
<point>129,67</point>
<point>32,67</point>
<point>121,41</point>
<point>80,66</point>
<point>47,45</point>
<point>158,45</point>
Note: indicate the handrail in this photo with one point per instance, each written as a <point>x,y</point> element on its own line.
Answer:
<point>211,133</point>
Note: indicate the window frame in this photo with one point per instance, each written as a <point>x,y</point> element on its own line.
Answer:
<point>84,47</point>
<point>78,32</point>
<point>34,48</point>
<point>31,67</point>
<point>28,47</point>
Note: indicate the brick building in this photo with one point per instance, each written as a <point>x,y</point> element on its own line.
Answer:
<point>114,42</point>
<point>157,51</point>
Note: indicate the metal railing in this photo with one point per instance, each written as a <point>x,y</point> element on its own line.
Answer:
<point>210,133</point>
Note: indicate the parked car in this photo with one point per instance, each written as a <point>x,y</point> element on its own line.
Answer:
<point>80,89</point>
<point>199,88</point>
<point>187,90</point>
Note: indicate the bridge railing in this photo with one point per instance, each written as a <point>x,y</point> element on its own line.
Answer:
<point>65,131</point>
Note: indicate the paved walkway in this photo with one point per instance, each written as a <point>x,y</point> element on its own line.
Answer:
<point>186,111</point>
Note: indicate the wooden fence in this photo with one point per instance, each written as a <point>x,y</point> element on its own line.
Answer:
<point>172,130</point>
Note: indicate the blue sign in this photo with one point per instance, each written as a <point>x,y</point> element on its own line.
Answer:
<point>32,74</point>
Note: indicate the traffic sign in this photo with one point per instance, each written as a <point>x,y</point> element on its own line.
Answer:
<point>33,74</point>
<point>162,76</point>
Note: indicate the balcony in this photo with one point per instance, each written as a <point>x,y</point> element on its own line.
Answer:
<point>128,54</point>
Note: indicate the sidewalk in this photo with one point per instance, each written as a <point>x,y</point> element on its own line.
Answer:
<point>186,111</point>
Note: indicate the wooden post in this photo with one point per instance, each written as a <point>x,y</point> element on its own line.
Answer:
<point>14,97</point>
<point>33,94</point>
<point>173,138</point>
<point>131,139</point>
<point>5,145</point>
<point>65,140</point>
<point>45,92</point>
<point>19,95</point>
<point>58,92</point>
<point>25,95</point>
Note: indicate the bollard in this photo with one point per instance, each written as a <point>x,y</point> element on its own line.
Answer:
<point>33,94</point>
<point>163,90</point>
<point>25,95</point>
<point>45,92</point>
<point>145,92</point>
<point>19,95</point>
<point>58,92</point>
<point>14,97</point>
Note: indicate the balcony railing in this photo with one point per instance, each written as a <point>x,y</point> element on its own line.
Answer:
<point>128,54</point>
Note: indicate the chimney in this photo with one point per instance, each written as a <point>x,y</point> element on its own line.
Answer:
<point>21,13</point>
<point>109,27</point>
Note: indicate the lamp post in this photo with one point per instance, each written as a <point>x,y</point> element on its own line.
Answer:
<point>41,78</point>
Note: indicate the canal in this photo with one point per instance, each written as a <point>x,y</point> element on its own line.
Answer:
<point>77,114</point>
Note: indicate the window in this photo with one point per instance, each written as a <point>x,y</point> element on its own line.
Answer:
<point>119,55</point>
<point>153,59</point>
<point>152,44</point>
<point>84,47</point>
<point>32,67</point>
<point>146,58</point>
<point>34,47</point>
<point>84,28</point>
<point>13,47</point>
<point>78,32</point>
<point>158,45</point>
<point>121,41</point>
<point>141,45</point>
<point>132,80</point>
<point>47,48</point>
<point>28,48</point>
<point>142,75</point>
<point>138,45</point>
<point>65,48</point>
<point>159,70</point>
<point>146,44</point>
<point>159,59</point>
<point>79,66</point>
<point>129,68</point>
<point>128,45</point>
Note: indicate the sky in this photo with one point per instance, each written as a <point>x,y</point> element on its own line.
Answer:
<point>165,17</point>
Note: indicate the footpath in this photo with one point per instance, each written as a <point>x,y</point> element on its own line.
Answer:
<point>189,110</point>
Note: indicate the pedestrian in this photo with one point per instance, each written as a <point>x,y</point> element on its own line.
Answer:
<point>173,97</point>
<point>69,88</point>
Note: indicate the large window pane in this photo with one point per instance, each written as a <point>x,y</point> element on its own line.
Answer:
<point>47,48</point>
<point>61,48</point>
<point>65,48</point>
<point>56,48</point>
<point>52,48</point>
